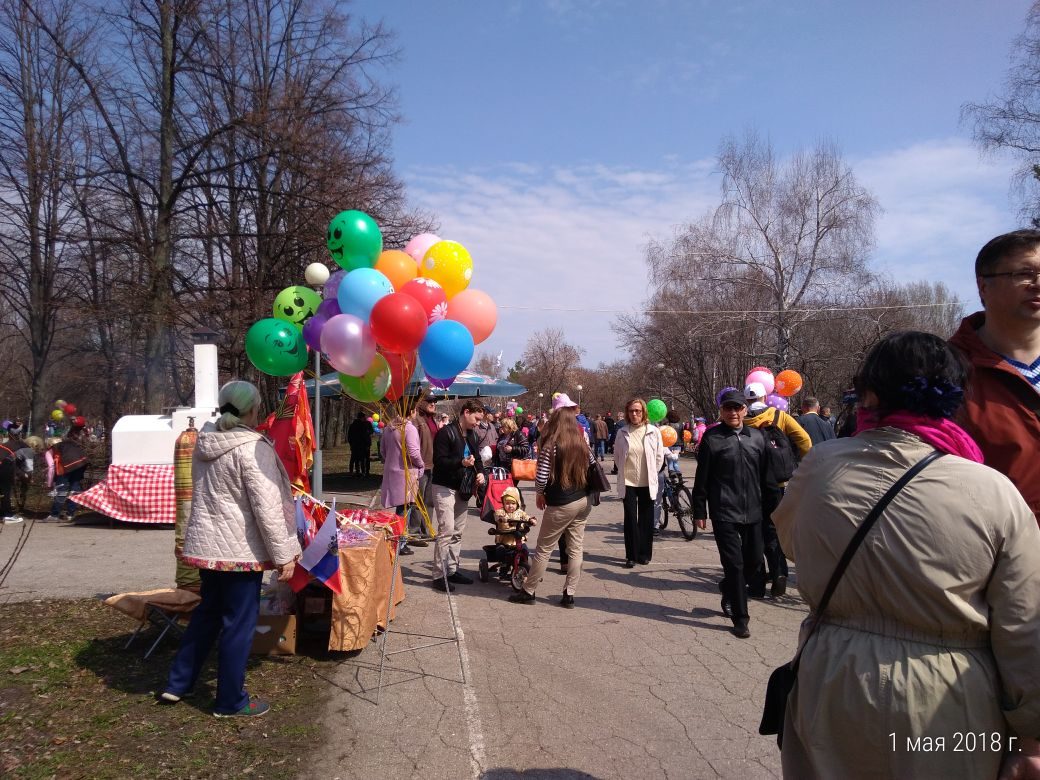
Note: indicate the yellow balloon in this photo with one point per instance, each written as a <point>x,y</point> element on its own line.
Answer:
<point>449,264</point>
<point>375,418</point>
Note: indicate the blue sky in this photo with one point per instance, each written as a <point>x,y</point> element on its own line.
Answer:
<point>554,137</point>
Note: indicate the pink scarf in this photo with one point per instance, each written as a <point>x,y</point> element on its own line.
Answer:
<point>943,434</point>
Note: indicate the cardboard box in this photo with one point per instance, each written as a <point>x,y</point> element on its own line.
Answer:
<point>275,635</point>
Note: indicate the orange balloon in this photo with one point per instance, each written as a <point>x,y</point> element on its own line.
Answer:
<point>687,436</point>
<point>397,266</point>
<point>476,310</point>
<point>788,383</point>
<point>669,436</point>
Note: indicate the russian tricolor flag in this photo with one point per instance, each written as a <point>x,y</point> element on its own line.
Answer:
<point>321,556</point>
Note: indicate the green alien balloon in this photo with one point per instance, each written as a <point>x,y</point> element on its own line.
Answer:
<point>370,386</point>
<point>354,240</point>
<point>656,410</point>
<point>276,347</point>
<point>296,304</point>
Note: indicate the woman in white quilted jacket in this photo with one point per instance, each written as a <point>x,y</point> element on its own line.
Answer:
<point>242,522</point>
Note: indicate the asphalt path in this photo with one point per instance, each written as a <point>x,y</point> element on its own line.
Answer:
<point>641,679</point>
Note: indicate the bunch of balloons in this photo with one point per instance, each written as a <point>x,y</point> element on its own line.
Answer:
<point>62,410</point>
<point>386,310</point>
<point>778,388</point>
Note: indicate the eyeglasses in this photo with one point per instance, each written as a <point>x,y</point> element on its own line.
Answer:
<point>635,411</point>
<point>1022,278</point>
<point>732,407</point>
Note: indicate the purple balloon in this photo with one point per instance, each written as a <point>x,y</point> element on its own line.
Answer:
<point>777,402</point>
<point>328,308</point>
<point>442,384</point>
<point>312,328</point>
<point>348,343</point>
<point>332,285</point>
<point>6,424</point>
<point>723,391</point>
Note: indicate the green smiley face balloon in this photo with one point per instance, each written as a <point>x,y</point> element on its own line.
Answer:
<point>354,240</point>
<point>276,347</point>
<point>296,304</point>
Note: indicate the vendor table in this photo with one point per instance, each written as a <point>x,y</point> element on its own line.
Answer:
<point>365,575</point>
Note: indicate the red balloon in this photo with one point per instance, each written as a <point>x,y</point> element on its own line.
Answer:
<point>431,297</point>
<point>398,323</point>
<point>70,409</point>
<point>401,369</point>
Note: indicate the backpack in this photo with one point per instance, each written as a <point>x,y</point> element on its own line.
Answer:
<point>780,453</point>
<point>68,456</point>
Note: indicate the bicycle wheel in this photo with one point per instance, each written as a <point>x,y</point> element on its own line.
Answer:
<point>684,513</point>
<point>665,501</point>
<point>519,575</point>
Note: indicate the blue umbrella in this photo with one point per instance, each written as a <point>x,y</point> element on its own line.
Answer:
<point>466,385</point>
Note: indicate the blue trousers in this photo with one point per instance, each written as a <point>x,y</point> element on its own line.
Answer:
<point>63,486</point>
<point>230,606</point>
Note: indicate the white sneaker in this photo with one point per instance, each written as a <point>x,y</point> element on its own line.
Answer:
<point>52,519</point>
<point>12,520</point>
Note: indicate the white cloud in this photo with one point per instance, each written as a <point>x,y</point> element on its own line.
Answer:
<point>942,203</point>
<point>564,247</point>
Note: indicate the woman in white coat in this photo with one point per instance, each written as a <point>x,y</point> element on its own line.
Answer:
<point>242,522</point>
<point>638,457</point>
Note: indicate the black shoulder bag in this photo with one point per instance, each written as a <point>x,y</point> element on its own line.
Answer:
<point>782,680</point>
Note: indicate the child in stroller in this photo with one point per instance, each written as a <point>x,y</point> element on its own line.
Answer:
<point>509,555</point>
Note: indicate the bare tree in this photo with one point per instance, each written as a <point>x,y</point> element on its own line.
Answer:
<point>1011,119</point>
<point>489,364</point>
<point>550,363</point>
<point>39,103</point>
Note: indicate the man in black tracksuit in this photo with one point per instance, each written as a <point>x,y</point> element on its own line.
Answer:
<point>731,475</point>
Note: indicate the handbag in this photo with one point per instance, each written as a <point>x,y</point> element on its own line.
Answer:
<point>523,469</point>
<point>596,478</point>
<point>468,485</point>
<point>783,679</point>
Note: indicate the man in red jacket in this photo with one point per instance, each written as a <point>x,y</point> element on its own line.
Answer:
<point>1002,343</point>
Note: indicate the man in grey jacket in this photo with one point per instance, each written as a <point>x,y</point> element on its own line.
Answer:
<point>731,475</point>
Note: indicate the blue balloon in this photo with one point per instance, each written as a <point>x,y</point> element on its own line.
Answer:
<point>447,348</point>
<point>360,290</point>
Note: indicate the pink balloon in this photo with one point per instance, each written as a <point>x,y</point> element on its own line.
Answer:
<point>765,378</point>
<point>349,344</point>
<point>418,245</point>
<point>475,310</point>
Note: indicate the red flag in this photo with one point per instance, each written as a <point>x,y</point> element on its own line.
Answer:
<point>292,433</point>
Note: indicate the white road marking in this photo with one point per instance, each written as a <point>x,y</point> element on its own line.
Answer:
<point>477,756</point>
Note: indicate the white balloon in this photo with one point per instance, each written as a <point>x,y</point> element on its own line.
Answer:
<point>315,274</point>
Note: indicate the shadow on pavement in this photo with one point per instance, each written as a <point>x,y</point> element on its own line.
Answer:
<point>537,774</point>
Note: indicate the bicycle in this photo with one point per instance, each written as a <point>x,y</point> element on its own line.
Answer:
<point>677,499</point>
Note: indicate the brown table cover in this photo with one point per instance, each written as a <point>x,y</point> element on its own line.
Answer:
<point>365,575</point>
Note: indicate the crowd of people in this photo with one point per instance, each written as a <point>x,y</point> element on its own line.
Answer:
<point>935,628</point>
<point>916,537</point>
<point>65,459</point>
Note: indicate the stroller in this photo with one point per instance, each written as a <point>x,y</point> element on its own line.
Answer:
<point>509,563</point>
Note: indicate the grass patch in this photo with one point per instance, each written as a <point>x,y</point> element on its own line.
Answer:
<point>74,703</point>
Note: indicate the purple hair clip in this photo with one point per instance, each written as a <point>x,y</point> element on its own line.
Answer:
<point>933,398</point>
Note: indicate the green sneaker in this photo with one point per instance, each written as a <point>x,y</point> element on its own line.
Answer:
<point>254,709</point>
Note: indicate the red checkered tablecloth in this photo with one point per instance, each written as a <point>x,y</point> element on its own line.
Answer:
<point>134,494</point>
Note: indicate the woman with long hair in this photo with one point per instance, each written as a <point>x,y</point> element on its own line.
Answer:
<point>933,631</point>
<point>561,480</point>
<point>639,458</point>
<point>403,466</point>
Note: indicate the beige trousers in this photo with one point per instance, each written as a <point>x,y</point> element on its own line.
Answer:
<point>449,513</point>
<point>558,521</point>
